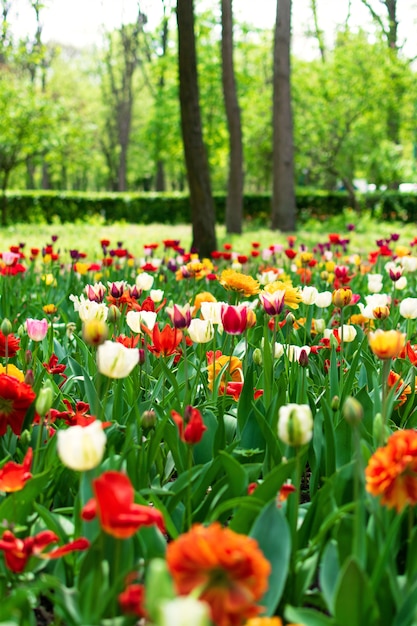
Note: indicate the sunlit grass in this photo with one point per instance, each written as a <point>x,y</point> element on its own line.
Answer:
<point>86,237</point>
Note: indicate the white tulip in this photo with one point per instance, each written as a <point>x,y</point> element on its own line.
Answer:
<point>184,611</point>
<point>401,283</point>
<point>134,319</point>
<point>309,294</point>
<point>201,331</point>
<point>408,308</point>
<point>115,360</point>
<point>91,310</point>
<point>156,295</point>
<point>323,299</point>
<point>81,448</point>
<point>295,424</point>
<point>212,311</point>
<point>144,281</point>
<point>348,332</point>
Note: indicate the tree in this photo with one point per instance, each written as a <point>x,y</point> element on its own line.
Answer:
<point>25,129</point>
<point>198,175</point>
<point>283,214</point>
<point>234,201</point>
<point>120,62</point>
<point>388,25</point>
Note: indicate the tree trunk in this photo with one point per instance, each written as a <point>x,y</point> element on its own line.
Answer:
<point>198,175</point>
<point>283,214</point>
<point>234,202</point>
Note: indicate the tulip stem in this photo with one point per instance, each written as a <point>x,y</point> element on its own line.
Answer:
<point>189,490</point>
<point>341,372</point>
<point>186,386</point>
<point>386,366</point>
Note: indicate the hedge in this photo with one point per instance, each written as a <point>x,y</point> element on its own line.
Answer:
<point>173,208</point>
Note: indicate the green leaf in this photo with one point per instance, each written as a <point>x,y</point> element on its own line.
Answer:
<point>308,617</point>
<point>18,506</point>
<point>406,615</point>
<point>159,587</point>
<point>265,492</point>
<point>354,601</point>
<point>329,572</point>
<point>274,538</point>
<point>237,478</point>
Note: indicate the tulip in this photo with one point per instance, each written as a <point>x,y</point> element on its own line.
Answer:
<point>81,448</point>
<point>184,611</point>
<point>323,299</point>
<point>342,297</point>
<point>190,427</point>
<point>401,283</point>
<point>13,476</point>
<point>295,424</point>
<point>386,344</point>
<point>36,329</point>
<point>95,331</point>
<point>375,283</point>
<point>115,360</point>
<point>135,319</point>
<point>89,309</point>
<point>234,318</point>
<point>309,295</point>
<point>180,315</point>
<point>348,332</point>
<point>117,288</point>
<point>95,292</point>
<point>156,295</point>
<point>408,308</point>
<point>144,281</point>
<point>273,303</point>
<point>201,331</point>
<point>17,552</point>
<point>212,311</point>
<point>114,505</point>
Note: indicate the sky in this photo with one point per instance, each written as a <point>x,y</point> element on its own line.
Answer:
<point>81,22</point>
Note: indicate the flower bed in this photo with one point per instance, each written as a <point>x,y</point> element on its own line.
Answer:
<point>192,441</point>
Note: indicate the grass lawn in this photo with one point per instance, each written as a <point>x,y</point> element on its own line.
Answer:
<point>86,237</point>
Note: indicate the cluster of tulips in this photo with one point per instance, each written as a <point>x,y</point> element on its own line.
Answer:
<point>228,441</point>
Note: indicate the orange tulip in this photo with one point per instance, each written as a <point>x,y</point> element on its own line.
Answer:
<point>228,567</point>
<point>386,344</point>
<point>392,471</point>
<point>13,476</point>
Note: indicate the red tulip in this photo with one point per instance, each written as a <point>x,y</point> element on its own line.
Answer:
<point>113,504</point>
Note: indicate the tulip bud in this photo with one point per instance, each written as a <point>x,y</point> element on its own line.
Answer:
<point>290,319</point>
<point>142,356</point>
<point>45,399</point>
<point>295,424</point>
<point>335,403</point>
<point>28,357</point>
<point>352,411</point>
<point>113,314</point>
<point>148,419</point>
<point>257,356</point>
<point>25,439</point>
<point>319,325</point>
<point>378,429</point>
<point>29,377</point>
<point>303,358</point>
<point>6,327</point>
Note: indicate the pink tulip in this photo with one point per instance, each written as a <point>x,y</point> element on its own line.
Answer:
<point>36,329</point>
